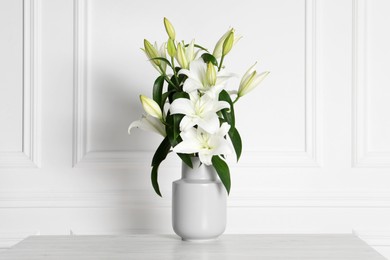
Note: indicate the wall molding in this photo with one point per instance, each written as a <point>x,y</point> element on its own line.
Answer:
<point>361,155</point>
<point>29,157</point>
<point>238,199</point>
<point>309,157</point>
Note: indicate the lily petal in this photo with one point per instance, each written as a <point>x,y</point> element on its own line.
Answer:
<point>182,106</point>
<point>149,123</point>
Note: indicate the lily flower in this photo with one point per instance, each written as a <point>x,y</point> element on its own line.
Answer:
<point>197,140</point>
<point>149,123</point>
<point>151,107</point>
<point>217,53</point>
<point>198,110</point>
<point>250,80</point>
<point>199,79</point>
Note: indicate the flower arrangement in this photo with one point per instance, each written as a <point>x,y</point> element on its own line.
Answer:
<point>195,111</point>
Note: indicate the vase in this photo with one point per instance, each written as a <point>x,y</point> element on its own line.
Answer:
<point>198,203</point>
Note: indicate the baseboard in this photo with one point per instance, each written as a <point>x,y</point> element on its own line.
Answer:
<point>147,199</point>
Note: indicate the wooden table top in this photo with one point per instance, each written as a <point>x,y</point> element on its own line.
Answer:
<point>264,247</point>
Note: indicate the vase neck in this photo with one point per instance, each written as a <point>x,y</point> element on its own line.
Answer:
<point>199,171</point>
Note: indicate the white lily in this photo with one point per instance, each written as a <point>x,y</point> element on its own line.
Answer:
<point>197,140</point>
<point>149,123</point>
<point>198,110</point>
<point>198,79</point>
<point>250,80</point>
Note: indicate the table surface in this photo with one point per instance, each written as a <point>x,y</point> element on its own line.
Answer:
<point>264,247</point>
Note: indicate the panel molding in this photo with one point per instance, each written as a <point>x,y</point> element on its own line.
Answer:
<point>29,157</point>
<point>239,199</point>
<point>309,157</point>
<point>361,156</point>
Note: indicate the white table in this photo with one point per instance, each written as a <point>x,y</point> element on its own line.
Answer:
<point>259,247</point>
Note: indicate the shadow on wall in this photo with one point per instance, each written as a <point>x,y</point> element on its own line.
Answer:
<point>128,205</point>
<point>112,105</point>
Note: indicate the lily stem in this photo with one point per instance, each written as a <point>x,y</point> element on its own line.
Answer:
<point>173,67</point>
<point>220,64</point>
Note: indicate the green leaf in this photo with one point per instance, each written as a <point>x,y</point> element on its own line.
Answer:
<point>181,77</point>
<point>164,99</point>
<point>207,57</point>
<point>228,114</point>
<point>159,156</point>
<point>223,171</point>
<point>161,152</point>
<point>181,95</point>
<point>173,129</point>
<point>162,59</point>
<point>236,141</point>
<point>157,90</point>
<point>197,46</point>
<point>186,158</point>
<point>155,181</point>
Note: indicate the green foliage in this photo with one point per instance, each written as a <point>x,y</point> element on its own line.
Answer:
<point>236,141</point>
<point>162,59</point>
<point>157,90</point>
<point>186,158</point>
<point>223,171</point>
<point>207,57</point>
<point>155,181</point>
<point>159,156</point>
<point>228,114</point>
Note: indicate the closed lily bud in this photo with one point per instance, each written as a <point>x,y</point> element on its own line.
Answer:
<point>171,48</point>
<point>217,53</point>
<point>211,74</point>
<point>250,80</point>
<point>228,43</point>
<point>151,107</point>
<point>181,56</point>
<point>169,28</point>
<point>151,52</point>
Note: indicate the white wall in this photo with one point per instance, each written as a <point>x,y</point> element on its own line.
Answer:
<point>316,144</point>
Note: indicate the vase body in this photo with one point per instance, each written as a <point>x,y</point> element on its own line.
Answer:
<point>198,203</point>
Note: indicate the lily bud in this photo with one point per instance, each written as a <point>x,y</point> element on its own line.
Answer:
<point>211,74</point>
<point>169,28</point>
<point>217,53</point>
<point>250,80</point>
<point>171,48</point>
<point>228,43</point>
<point>151,107</point>
<point>181,56</point>
<point>151,52</point>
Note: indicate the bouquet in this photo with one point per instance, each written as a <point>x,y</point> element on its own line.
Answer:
<point>191,106</point>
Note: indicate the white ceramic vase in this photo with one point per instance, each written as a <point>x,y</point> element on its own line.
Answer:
<point>198,203</point>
